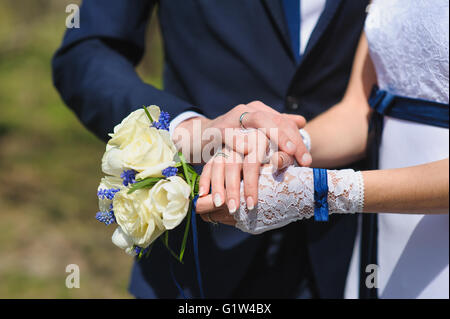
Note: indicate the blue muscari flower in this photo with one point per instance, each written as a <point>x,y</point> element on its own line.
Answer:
<point>106,217</point>
<point>129,177</point>
<point>163,121</point>
<point>170,171</point>
<point>107,193</point>
<point>138,250</point>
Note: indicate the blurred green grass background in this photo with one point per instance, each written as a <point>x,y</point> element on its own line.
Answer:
<point>50,166</point>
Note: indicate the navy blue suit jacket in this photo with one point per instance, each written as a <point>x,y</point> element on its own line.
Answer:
<point>218,54</point>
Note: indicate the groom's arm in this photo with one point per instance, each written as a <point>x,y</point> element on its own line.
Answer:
<point>94,69</point>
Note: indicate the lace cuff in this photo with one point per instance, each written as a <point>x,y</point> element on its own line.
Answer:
<point>288,196</point>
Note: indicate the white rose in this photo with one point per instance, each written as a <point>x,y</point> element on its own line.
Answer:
<point>170,198</point>
<point>108,182</point>
<point>112,162</point>
<point>122,240</point>
<point>136,145</point>
<point>135,215</point>
<point>150,153</point>
<point>125,130</point>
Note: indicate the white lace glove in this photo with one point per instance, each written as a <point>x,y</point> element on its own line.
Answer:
<point>288,196</point>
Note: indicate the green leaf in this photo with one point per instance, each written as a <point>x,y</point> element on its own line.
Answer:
<point>145,183</point>
<point>194,184</point>
<point>185,168</point>
<point>165,240</point>
<point>186,232</point>
<point>148,251</point>
<point>148,114</point>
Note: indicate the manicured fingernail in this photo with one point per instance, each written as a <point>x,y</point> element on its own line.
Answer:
<point>306,159</point>
<point>232,206</point>
<point>201,191</point>
<point>290,146</point>
<point>217,200</point>
<point>250,203</point>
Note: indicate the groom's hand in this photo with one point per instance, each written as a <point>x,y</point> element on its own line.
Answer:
<point>281,129</point>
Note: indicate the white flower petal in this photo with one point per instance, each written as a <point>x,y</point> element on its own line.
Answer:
<point>121,240</point>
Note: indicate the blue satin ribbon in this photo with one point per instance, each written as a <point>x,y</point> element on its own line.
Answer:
<point>320,194</point>
<point>180,290</point>
<point>195,244</point>
<point>403,108</point>
<point>196,255</point>
<point>409,109</point>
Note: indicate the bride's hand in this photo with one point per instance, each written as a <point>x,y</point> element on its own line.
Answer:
<point>223,174</point>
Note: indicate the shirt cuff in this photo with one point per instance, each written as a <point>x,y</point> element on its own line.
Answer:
<point>181,118</point>
<point>306,139</point>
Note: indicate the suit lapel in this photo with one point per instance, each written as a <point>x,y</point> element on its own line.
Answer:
<point>328,13</point>
<point>275,11</point>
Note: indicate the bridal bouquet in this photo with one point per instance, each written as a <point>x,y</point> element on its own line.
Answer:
<point>149,188</point>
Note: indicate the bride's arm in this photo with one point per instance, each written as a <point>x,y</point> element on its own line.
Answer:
<point>339,135</point>
<point>422,189</point>
<point>289,196</point>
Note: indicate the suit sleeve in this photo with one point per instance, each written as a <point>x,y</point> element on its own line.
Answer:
<point>94,69</point>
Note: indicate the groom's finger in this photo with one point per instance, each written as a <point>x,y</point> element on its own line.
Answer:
<point>299,120</point>
<point>283,132</point>
<point>209,213</point>
<point>260,106</point>
<point>281,160</point>
<point>205,205</point>
<point>274,128</point>
<point>222,217</point>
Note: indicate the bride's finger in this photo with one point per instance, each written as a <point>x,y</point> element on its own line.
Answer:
<point>205,180</point>
<point>233,181</point>
<point>218,179</point>
<point>251,176</point>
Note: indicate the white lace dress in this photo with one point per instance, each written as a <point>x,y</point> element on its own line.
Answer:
<point>409,45</point>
